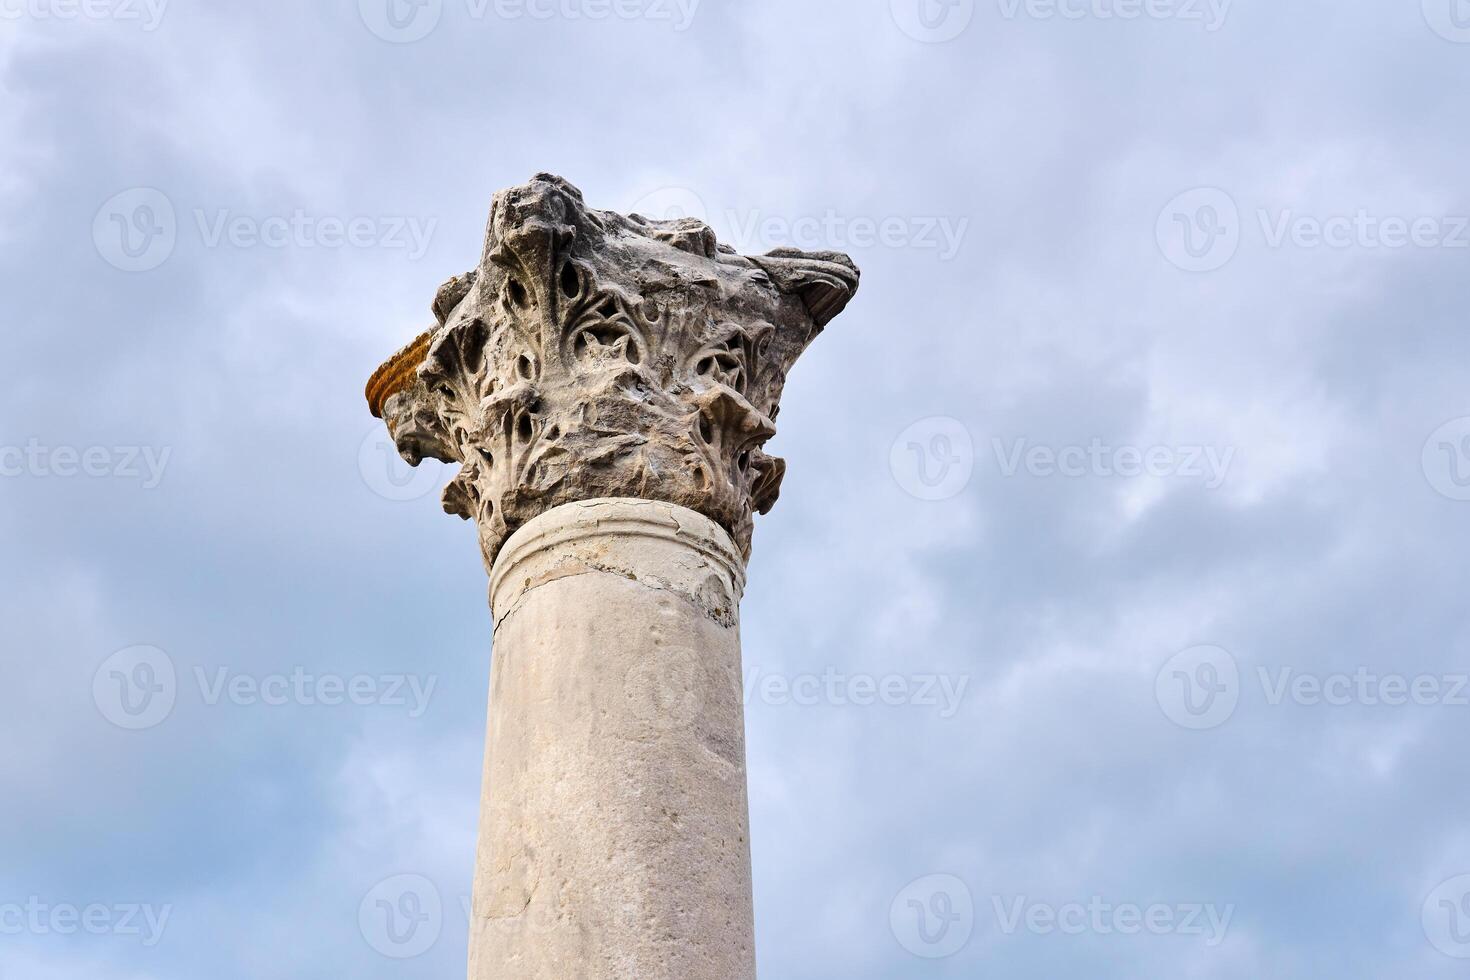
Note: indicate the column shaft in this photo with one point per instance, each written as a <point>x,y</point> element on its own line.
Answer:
<point>614,826</point>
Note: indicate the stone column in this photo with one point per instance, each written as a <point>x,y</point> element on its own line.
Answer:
<point>607,384</point>
<point>613,833</point>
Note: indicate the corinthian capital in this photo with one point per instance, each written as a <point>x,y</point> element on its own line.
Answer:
<point>596,355</point>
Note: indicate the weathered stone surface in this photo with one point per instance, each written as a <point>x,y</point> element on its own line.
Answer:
<point>594,355</point>
<point>608,385</point>
<point>614,827</point>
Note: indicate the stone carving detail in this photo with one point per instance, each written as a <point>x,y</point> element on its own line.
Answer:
<point>593,354</point>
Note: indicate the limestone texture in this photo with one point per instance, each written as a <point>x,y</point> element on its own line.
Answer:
<point>614,826</point>
<point>592,354</point>
<point>608,385</point>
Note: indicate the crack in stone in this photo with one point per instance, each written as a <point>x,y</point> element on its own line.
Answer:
<point>719,613</point>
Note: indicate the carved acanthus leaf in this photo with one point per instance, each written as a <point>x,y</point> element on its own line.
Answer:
<point>596,355</point>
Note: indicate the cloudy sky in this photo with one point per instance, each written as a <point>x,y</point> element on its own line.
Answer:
<point>1137,477</point>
